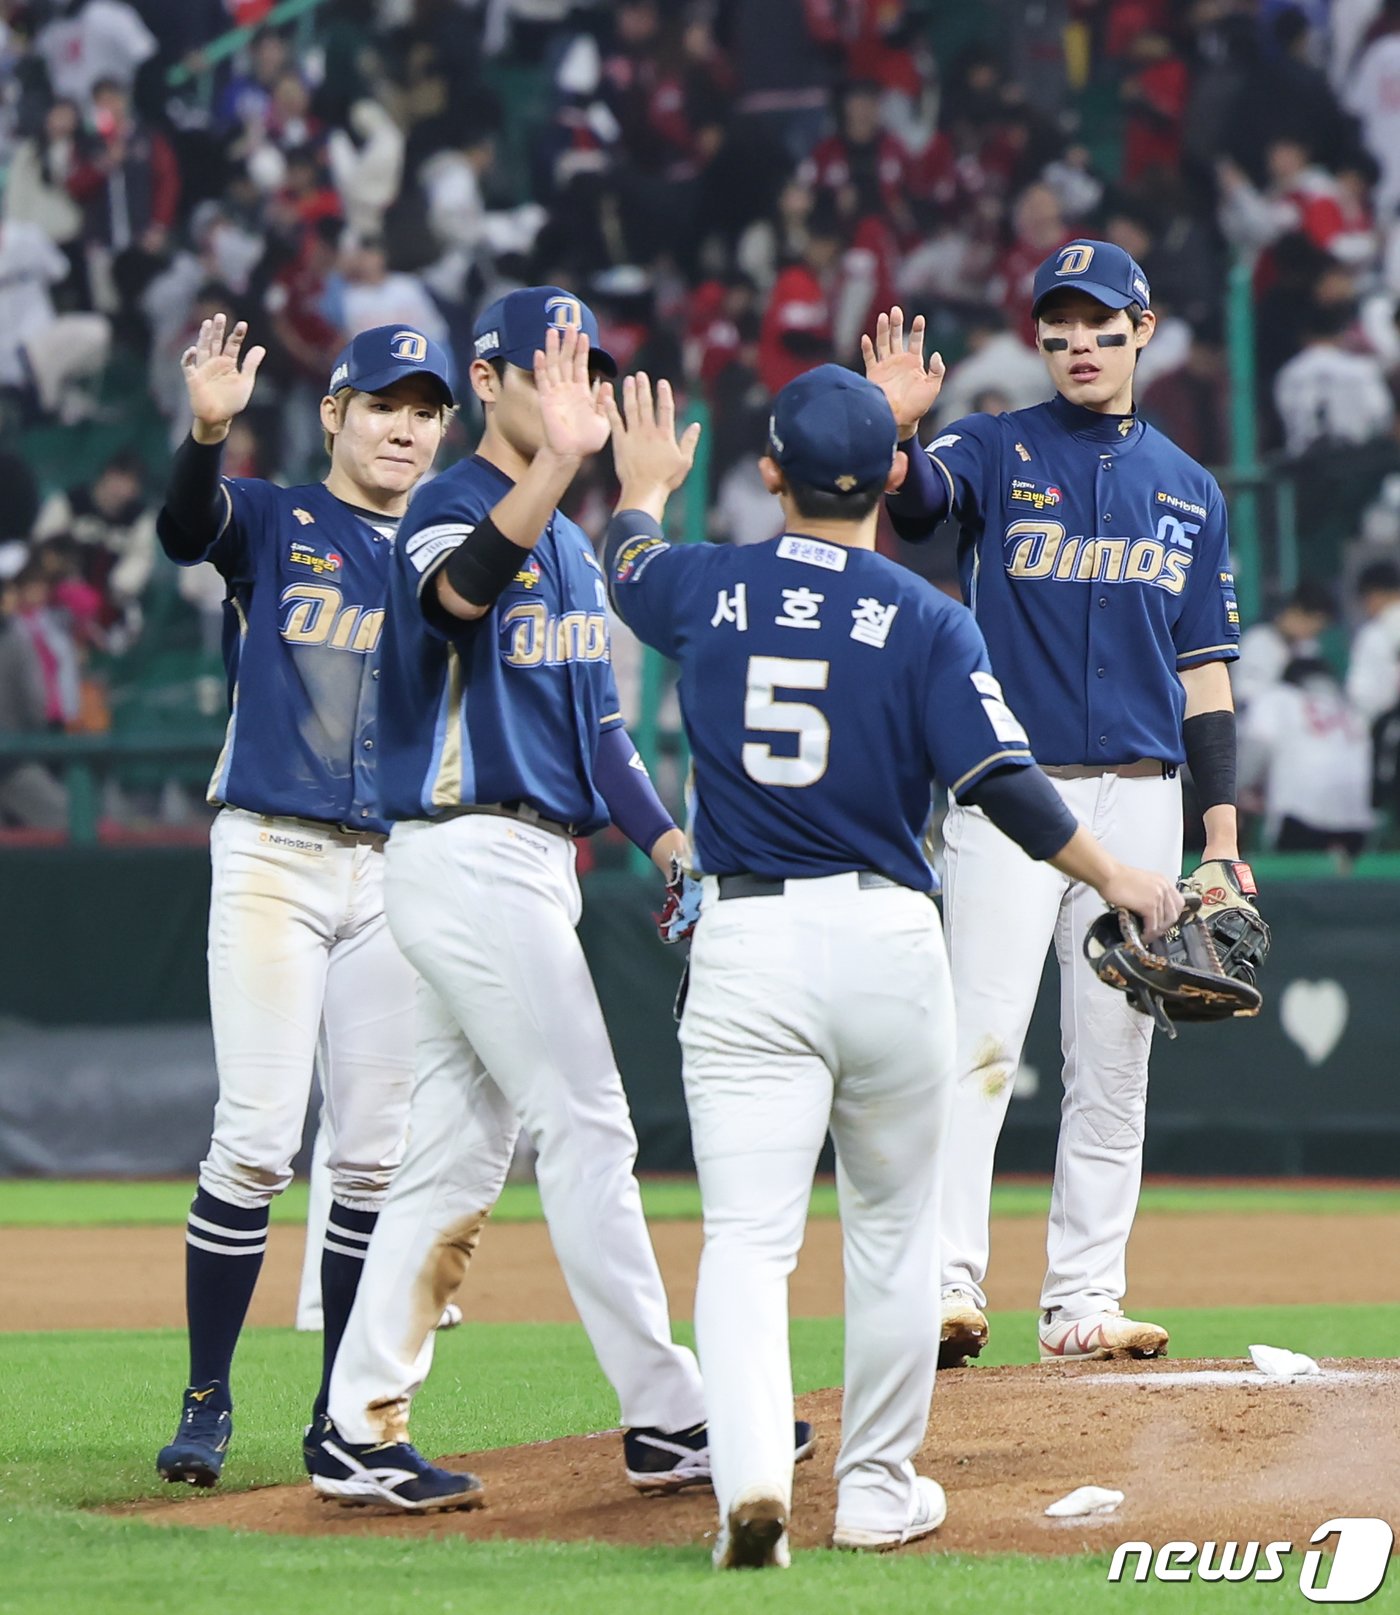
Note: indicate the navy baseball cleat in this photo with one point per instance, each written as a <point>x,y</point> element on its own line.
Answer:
<point>670,1461</point>
<point>197,1452</point>
<point>395,1473</point>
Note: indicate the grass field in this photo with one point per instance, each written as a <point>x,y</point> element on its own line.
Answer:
<point>51,1203</point>
<point>81,1416</point>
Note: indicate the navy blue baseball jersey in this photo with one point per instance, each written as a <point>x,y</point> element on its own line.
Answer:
<point>306,575</point>
<point>507,708</point>
<point>1095,557</point>
<point>822,689</point>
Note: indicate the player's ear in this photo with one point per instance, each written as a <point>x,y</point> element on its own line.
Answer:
<point>1146,325</point>
<point>772,474</point>
<point>330,416</point>
<point>899,469</point>
<point>486,384</point>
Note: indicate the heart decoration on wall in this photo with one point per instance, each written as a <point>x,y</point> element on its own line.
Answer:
<point>1314,1015</point>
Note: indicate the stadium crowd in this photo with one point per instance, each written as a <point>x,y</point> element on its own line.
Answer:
<point>737,186</point>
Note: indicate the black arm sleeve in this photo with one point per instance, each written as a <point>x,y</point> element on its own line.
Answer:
<point>1209,739</point>
<point>194,511</point>
<point>484,563</point>
<point>1024,805</point>
<point>921,503</point>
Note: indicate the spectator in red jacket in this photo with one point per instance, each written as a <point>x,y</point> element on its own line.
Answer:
<point>797,330</point>
<point>128,186</point>
<point>861,167</point>
<point>1154,98</point>
<point>1039,229</point>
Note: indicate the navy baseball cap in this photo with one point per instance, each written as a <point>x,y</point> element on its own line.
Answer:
<point>832,430</point>
<point>1104,271</point>
<point>376,359</point>
<point>514,326</point>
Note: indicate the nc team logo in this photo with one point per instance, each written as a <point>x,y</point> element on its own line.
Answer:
<point>564,313</point>
<point>408,347</point>
<point>1074,259</point>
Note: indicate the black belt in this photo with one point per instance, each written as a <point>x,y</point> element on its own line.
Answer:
<point>524,811</point>
<point>868,880</point>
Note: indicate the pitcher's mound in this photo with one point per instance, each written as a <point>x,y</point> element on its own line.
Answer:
<point>1203,1451</point>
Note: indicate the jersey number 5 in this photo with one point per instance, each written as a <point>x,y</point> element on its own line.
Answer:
<point>764,710</point>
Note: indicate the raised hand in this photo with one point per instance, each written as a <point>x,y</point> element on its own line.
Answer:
<point>651,461</point>
<point>571,410</point>
<point>898,369</point>
<point>218,387</point>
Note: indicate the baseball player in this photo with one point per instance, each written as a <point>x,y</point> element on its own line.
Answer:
<point>822,687</point>
<point>302,969</point>
<point>500,741</point>
<point>1095,557</point>
<point>309,1314</point>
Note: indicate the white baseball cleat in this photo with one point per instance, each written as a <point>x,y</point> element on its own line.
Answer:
<point>754,1536</point>
<point>1100,1335</point>
<point>963,1331</point>
<point>928,1508</point>
<point>451,1316</point>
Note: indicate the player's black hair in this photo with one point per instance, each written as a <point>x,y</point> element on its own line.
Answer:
<point>821,505</point>
<point>1381,577</point>
<point>126,460</point>
<point>1315,596</point>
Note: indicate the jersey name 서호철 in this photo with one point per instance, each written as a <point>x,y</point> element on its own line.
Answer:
<point>1095,557</point>
<point>474,712</point>
<point>823,688</point>
<point>306,575</point>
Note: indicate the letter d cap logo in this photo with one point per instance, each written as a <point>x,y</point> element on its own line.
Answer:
<point>1075,260</point>
<point>1358,1566</point>
<point>409,347</point>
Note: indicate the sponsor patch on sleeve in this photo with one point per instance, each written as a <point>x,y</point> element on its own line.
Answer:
<point>428,543</point>
<point>635,556</point>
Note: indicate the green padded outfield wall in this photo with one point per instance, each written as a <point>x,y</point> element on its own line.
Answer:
<point>116,938</point>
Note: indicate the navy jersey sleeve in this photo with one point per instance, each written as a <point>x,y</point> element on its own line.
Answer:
<point>438,520</point>
<point>1208,629</point>
<point>969,729</point>
<point>246,512</point>
<point>612,703</point>
<point>645,576</point>
<point>965,455</point>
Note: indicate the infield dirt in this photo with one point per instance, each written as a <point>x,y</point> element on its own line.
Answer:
<point>133,1278</point>
<point>1203,1451</point>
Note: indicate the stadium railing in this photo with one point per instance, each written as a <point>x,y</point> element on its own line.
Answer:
<point>229,44</point>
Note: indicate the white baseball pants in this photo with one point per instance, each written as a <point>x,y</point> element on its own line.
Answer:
<point>509,1034</point>
<point>826,1007</point>
<point>303,973</point>
<point>310,1316</point>
<point>1002,911</point>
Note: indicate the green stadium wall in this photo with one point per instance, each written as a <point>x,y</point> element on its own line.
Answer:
<point>115,940</point>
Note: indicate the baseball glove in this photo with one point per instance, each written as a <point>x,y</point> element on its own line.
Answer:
<point>1177,978</point>
<point>1228,911</point>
